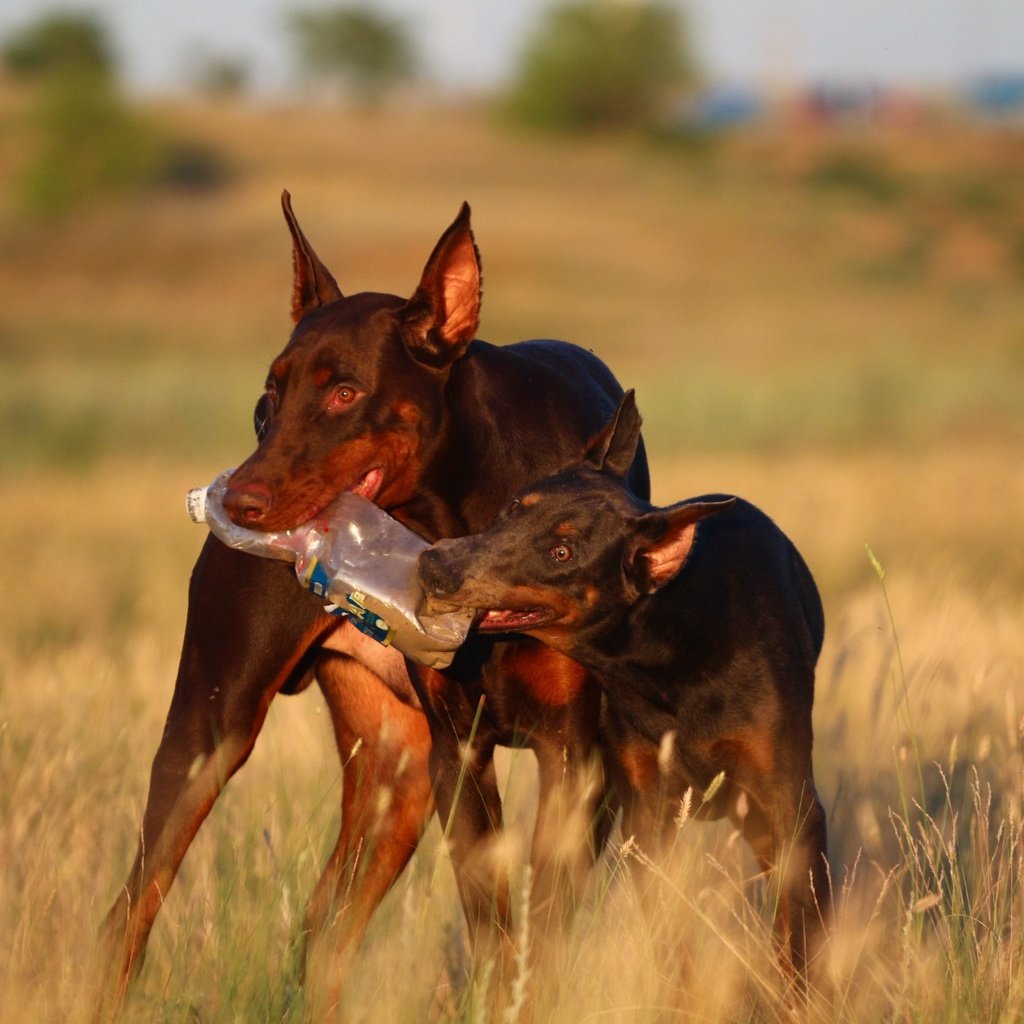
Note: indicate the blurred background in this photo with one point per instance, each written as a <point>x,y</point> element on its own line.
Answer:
<point>795,227</point>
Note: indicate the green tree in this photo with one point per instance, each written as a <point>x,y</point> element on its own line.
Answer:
<point>88,140</point>
<point>601,64</point>
<point>365,50</point>
<point>60,43</point>
<point>89,143</point>
<point>218,75</point>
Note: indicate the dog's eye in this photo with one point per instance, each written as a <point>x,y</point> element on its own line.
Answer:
<point>561,553</point>
<point>261,416</point>
<point>341,397</point>
<point>264,410</point>
<point>513,505</point>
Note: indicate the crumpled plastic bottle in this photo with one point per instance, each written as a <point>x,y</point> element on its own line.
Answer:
<point>359,560</point>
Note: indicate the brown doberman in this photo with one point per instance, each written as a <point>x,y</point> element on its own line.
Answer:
<point>702,625</point>
<point>393,398</point>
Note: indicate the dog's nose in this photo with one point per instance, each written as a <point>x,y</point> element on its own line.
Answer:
<point>247,504</point>
<point>437,575</point>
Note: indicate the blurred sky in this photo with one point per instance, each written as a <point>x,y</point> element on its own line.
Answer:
<point>474,42</point>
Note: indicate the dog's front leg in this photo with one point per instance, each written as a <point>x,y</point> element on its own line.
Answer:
<point>245,637</point>
<point>574,817</point>
<point>468,805</point>
<point>384,745</point>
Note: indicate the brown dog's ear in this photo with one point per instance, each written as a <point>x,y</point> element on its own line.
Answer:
<point>314,286</point>
<point>613,449</point>
<point>443,315</point>
<point>662,541</point>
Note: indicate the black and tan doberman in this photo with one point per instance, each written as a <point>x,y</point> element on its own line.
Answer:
<point>701,623</point>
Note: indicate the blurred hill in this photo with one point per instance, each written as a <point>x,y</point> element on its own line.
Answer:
<point>815,292</point>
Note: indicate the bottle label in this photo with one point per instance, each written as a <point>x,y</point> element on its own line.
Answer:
<point>314,577</point>
<point>366,621</point>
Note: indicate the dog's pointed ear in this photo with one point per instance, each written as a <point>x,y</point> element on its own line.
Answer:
<point>443,315</point>
<point>661,542</point>
<point>613,449</point>
<point>314,286</point>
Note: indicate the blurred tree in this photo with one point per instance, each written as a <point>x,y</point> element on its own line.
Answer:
<point>217,75</point>
<point>602,63</point>
<point>70,42</point>
<point>89,143</point>
<point>368,51</point>
<point>88,140</point>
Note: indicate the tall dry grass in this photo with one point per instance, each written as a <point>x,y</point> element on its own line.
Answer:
<point>918,761</point>
<point>827,325</point>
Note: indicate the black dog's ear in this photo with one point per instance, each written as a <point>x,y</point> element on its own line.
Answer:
<point>443,315</point>
<point>613,449</point>
<point>662,541</point>
<point>313,286</point>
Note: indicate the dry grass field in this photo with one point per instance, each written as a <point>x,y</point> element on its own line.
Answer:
<point>831,324</point>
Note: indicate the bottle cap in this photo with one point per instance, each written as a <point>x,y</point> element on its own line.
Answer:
<point>195,504</point>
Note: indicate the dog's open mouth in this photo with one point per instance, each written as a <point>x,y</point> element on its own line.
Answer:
<point>369,484</point>
<point>507,620</point>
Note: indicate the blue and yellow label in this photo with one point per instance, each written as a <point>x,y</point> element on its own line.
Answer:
<point>366,621</point>
<point>316,579</point>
